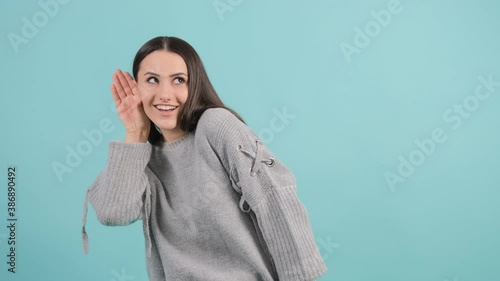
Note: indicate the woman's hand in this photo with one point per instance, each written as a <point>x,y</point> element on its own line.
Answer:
<point>129,107</point>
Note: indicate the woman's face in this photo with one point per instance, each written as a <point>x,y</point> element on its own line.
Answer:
<point>162,81</point>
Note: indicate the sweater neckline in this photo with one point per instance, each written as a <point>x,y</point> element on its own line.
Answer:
<point>176,143</point>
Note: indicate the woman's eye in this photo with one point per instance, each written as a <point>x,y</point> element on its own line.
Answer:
<point>180,79</point>
<point>152,80</point>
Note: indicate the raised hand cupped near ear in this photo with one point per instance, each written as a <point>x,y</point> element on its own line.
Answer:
<point>129,105</point>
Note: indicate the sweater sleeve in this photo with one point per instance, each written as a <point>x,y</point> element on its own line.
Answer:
<point>118,192</point>
<point>269,193</point>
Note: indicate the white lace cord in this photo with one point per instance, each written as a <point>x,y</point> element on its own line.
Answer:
<point>85,237</point>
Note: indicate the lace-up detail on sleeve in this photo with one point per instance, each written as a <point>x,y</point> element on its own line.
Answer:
<point>258,158</point>
<point>268,193</point>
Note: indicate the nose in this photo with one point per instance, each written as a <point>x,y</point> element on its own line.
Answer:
<point>166,92</point>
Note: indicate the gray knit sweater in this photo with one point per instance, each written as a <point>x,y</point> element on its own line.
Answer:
<point>216,205</point>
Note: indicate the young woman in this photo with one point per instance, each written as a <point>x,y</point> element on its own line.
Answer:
<point>215,203</point>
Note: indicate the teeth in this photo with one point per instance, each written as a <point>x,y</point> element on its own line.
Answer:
<point>166,107</point>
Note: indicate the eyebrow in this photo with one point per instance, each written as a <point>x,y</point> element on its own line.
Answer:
<point>171,75</point>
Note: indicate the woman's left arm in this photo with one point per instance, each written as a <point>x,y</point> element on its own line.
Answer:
<point>268,189</point>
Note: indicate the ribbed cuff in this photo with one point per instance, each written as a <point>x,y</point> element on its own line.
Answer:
<point>287,231</point>
<point>117,196</point>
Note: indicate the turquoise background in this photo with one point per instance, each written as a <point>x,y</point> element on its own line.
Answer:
<point>355,118</point>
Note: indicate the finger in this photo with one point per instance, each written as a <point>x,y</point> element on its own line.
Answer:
<point>132,84</point>
<point>114,93</point>
<point>118,87</point>
<point>124,83</point>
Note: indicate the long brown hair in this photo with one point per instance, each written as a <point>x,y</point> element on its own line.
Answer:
<point>201,93</point>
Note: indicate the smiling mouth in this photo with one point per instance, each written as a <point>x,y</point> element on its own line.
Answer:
<point>166,107</point>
